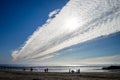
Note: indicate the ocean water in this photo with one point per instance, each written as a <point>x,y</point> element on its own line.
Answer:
<point>70,68</point>
<point>58,68</point>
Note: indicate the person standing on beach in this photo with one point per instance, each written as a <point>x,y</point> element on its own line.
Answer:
<point>78,71</point>
<point>47,70</point>
<point>31,69</point>
<point>69,71</point>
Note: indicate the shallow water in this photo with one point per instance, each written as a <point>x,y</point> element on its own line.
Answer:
<point>70,68</point>
<point>57,68</point>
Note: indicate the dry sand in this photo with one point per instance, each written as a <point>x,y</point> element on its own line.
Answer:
<point>23,75</point>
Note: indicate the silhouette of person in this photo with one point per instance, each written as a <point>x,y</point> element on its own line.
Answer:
<point>78,71</point>
<point>72,71</point>
<point>31,69</point>
<point>69,70</point>
<point>24,69</point>
<point>47,70</point>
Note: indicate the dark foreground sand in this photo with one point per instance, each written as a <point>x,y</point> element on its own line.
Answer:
<point>22,75</point>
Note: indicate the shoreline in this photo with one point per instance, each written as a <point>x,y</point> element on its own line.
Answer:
<point>27,75</point>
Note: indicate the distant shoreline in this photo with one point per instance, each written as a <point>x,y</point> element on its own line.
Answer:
<point>111,68</point>
<point>28,75</point>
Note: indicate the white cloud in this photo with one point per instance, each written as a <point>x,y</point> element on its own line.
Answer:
<point>78,21</point>
<point>44,58</point>
<point>114,59</point>
<point>14,54</point>
<point>102,60</point>
<point>53,13</point>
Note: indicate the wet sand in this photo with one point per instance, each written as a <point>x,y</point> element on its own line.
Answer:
<point>23,75</point>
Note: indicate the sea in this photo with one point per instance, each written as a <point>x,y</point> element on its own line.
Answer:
<point>85,68</point>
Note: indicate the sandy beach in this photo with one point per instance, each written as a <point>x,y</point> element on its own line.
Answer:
<point>23,75</point>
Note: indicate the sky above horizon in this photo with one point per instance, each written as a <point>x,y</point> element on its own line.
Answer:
<point>60,32</point>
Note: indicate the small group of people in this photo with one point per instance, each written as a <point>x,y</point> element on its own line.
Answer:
<point>31,69</point>
<point>72,71</point>
<point>46,70</point>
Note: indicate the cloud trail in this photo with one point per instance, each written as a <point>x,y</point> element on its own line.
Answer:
<point>114,59</point>
<point>53,13</point>
<point>78,21</point>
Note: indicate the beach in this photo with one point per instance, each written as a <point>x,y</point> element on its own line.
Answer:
<point>28,75</point>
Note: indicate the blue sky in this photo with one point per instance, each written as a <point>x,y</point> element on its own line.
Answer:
<point>19,19</point>
<point>55,32</point>
<point>103,46</point>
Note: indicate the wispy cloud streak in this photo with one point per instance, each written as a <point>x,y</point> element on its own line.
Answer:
<point>78,21</point>
<point>102,60</point>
